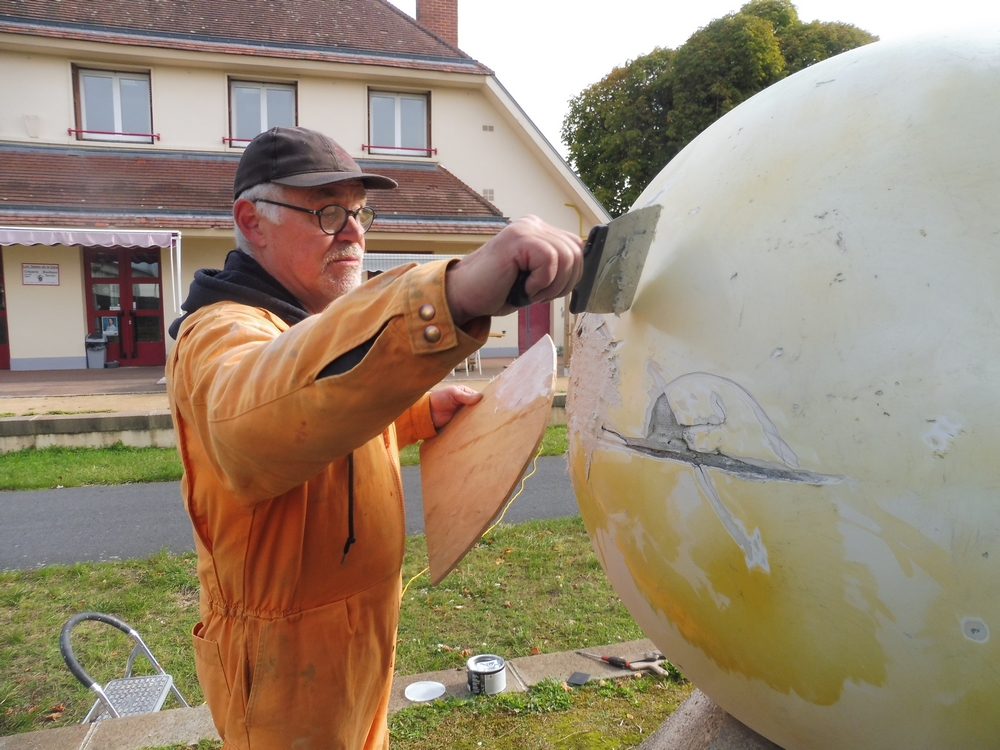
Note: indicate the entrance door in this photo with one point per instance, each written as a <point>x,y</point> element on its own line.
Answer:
<point>124,301</point>
<point>533,322</point>
<point>4,341</point>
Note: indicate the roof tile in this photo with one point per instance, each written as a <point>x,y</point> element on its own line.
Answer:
<point>371,28</point>
<point>86,186</point>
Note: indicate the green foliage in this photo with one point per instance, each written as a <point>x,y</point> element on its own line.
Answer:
<point>526,588</point>
<point>157,596</point>
<point>554,443</point>
<point>616,129</point>
<point>46,468</point>
<point>622,130</point>
<point>808,43</point>
<point>781,14</point>
<point>719,67</point>
<point>601,714</point>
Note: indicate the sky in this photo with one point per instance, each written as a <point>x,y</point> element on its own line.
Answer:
<point>545,52</point>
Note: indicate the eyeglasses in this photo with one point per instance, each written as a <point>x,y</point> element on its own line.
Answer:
<point>332,218</point>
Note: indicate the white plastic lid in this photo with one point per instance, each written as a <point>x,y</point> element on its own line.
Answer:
<point>425,690</point>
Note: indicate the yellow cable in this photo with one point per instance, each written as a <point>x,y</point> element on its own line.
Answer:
<point>411,581</point>
<point>534,468</point>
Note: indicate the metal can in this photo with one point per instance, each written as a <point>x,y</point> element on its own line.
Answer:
<point>487,674</point>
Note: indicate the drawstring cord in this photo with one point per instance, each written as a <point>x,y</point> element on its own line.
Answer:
<point>350,507</point>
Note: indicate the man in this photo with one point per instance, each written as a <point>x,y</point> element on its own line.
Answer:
<point>291,385</point>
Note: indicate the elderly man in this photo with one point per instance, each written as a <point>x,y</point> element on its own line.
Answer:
<point>291,385</point>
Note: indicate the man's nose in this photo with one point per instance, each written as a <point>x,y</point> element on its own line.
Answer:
<point>352,231</point>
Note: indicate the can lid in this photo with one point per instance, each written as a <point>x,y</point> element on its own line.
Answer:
<point>486,663</point>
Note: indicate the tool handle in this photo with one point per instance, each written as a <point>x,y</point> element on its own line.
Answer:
<point>518,295</point>
<point>592,251</point>
<point>616,661</point>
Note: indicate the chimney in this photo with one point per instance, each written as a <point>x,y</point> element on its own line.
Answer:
<point>439,17</point>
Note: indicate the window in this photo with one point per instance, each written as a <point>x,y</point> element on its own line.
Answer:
<point>256,107</point>
<point>398,124</point>
<point>114,106</point>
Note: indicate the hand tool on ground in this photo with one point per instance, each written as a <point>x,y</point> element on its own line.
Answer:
<point>652,662</point>
<point>614,661</point>
<point>613,257</point>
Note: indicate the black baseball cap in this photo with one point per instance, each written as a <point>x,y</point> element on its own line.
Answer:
<point>301,158</point>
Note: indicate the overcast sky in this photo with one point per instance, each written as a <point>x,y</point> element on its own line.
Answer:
<point>546,51</point>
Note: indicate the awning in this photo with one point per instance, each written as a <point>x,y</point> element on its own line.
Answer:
<point>103,238</point>
<point>86,237</point>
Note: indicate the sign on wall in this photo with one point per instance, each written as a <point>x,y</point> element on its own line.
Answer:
<point>40,274</point>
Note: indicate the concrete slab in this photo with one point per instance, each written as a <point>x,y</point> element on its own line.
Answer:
<point>178,726</point>
<point>455,682</point>
<point>63,738</point>
<point>534,669</point>
<point>699,724</point>
<point>184,726</point>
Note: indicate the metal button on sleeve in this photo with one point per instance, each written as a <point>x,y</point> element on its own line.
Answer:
<point>426,312</point>
<point>432,334</point>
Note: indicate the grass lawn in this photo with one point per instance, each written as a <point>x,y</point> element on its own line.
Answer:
<point>602,714</point>
<point>528,587</point>
<point>47,468</point>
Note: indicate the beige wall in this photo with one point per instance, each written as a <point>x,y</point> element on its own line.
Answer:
<point>46,324</point>
<point>338,108</point>
<point>40,87</point>
<point>499,159</point>
<point>190,107</point>
<point>190,112</point>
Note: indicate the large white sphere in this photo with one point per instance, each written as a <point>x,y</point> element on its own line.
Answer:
<point>786,452</point>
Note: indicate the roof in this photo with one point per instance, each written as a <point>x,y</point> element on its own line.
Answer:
<point>359,31</point>
<point>100,187</point>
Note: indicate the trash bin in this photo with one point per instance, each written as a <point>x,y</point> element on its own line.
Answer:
<point>97,347</point>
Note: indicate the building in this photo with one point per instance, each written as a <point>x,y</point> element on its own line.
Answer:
<point>122,124</point>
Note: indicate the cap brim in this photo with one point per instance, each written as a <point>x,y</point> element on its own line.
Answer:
<point>315,179</point>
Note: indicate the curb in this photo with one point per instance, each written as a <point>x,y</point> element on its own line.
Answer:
<point>134,429</point>
<point>188,725</point>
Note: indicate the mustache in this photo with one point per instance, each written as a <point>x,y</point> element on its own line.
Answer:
<point>353,251</point>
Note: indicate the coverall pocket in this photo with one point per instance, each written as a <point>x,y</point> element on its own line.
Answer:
<point>318,683</point>
<point>212,677</point>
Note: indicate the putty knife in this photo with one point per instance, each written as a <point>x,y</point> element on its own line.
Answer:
<point>613,258</point>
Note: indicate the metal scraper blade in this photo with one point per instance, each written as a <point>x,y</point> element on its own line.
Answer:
<point>614,257</point>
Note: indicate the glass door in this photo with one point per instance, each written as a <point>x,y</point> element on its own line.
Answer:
<point>4,341</point>
<point>124,301</point>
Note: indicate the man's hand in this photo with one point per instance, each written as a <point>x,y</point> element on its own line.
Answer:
<point>480,282</point>
<point>446,401</point>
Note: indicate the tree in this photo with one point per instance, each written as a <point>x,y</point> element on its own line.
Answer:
<point>617,129</point>
<point>622,130</point>
<point>719,67</point>
<point>808,43</point>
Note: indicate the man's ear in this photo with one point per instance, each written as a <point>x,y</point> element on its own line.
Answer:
<point>248,220</point>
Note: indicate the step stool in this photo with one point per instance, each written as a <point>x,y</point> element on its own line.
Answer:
<point>124,696</point>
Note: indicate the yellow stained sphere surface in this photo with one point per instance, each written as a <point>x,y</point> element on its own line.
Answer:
<point>785,452</point>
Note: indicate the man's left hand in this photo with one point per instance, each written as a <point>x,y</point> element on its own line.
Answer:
<point>446,401</point>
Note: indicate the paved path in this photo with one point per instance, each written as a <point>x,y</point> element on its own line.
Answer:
<point>81,524</point>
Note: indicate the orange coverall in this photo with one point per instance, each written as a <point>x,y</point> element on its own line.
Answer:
<point>296,642</point>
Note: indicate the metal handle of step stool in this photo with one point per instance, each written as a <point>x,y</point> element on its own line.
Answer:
<point>66,648</point>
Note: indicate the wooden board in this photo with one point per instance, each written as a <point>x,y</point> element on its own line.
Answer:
<point>471,468</point>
